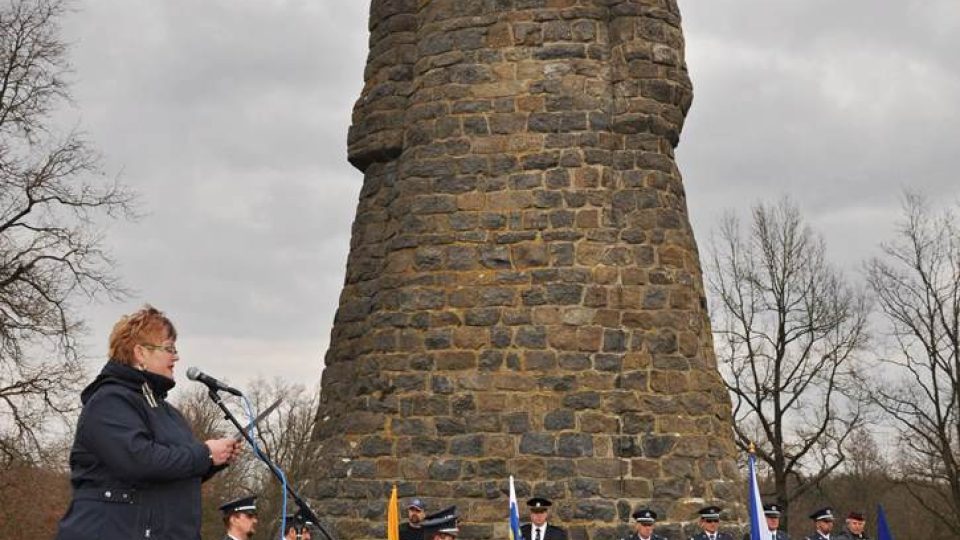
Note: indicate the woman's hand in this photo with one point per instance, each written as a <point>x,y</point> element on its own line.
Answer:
<point>223,450</point>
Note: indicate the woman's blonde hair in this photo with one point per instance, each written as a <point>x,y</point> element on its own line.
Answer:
<point>146,326</point>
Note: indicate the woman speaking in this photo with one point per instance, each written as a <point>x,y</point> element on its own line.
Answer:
<point>135,466</point>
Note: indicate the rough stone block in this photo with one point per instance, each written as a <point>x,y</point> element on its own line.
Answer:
<point>575,445</point>
<point>541,444</point>
<point>559,420</point>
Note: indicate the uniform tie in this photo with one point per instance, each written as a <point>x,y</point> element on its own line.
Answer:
<point>537,536</point>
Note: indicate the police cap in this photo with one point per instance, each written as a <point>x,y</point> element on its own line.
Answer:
<point>823,514</point>
<point>539,504</point>
<point>296,521</point>
<point>247,505</point>
<point>710,513</point>
<point>444,521</point>
<point>645,515</point>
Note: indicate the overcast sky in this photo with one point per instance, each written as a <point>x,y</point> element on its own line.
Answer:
<point>230,118</point>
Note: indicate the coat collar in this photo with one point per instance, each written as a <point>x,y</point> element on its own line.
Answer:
<point>116,373</point>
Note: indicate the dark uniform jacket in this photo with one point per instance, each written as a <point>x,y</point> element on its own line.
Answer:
<point>409,533</point>
<point>780,535</point>
<point>135,467</point>
<point>847,535</point>
<point>702,535</point>
<point>552,533</point>
<point>818,536</point>
<point>636,536</point>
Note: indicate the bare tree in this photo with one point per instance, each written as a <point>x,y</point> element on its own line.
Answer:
<point>284,436</point>
<point>917,284</point>
<point>51,255</point>
<point>241,478</point>
<point>788,328</point>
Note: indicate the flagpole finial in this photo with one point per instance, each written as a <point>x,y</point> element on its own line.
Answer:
<point>753,449</point>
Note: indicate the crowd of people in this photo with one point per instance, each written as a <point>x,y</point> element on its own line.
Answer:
<point>420,526</point>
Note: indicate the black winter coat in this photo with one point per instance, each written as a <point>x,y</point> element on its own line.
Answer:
<point>135,467</point>
<point>409,533</point>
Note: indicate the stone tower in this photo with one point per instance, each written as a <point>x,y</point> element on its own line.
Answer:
<point>523,293</point>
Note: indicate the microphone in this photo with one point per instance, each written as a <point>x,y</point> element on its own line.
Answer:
<point>195,374</point>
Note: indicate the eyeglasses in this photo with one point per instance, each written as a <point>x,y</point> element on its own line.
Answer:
<point>711,520</point>
<point>167,348</point>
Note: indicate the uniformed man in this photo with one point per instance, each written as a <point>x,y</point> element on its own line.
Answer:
<point>710,522</point>
<point>240,518</point>
<point>772,513</point>
<point>538,528</point>
<point>645,520</point>
<point>856,522</point>
<point>441,525</point>
<point>297,527</point>
<point>413,528</point>
<point>823,521</point>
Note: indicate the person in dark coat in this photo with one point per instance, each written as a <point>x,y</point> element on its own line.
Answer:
<point>856,522</point>
<point>538,528</point>
<point>645,519</point>
<point>413,528</point>
<point>240,518</point>
<point>710,523</point>
<point>823,522</point>
<point>135,466</point>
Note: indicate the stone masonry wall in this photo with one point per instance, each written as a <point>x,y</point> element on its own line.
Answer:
<point>523,293</point>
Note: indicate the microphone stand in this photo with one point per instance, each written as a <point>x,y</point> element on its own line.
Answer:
<point>302,507</point>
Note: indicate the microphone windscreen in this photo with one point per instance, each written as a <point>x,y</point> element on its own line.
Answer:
<point>193,373</point>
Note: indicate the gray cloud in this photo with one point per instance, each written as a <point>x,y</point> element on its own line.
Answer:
<point>837,105</point>
<point>230,117</point>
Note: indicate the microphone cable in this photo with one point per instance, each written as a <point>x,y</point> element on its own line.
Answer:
<point>254,428</point>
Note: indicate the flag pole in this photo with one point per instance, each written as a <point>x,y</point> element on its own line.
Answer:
<point>758,528</point>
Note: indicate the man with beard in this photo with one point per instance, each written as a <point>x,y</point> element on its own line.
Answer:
<point>823,521</point>
<point>413,528</point>
<point>240,518</point>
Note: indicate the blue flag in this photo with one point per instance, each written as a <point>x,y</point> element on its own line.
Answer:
<point>883,528</point>
<point>514,514</point>
<point>758,525</point>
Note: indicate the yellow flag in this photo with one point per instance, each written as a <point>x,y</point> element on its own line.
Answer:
<point>393,516</point>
